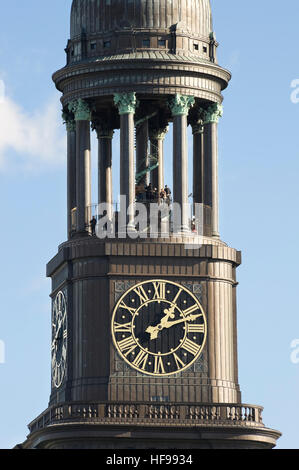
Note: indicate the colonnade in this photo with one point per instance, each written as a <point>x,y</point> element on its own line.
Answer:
<point>204,122</point>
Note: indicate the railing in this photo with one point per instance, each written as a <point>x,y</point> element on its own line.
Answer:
<point>147,413</point>
<point>163,221</point>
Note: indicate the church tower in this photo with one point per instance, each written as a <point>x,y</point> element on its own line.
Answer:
<point>144,321</point>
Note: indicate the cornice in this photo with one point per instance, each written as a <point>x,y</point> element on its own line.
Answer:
<point>147,62</point>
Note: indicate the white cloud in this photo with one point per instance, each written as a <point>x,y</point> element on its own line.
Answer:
<point>2,91</point>
<point>31,141</point>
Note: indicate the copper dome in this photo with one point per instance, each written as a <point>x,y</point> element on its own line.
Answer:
<point>150,47</point>
<point>103,16</point>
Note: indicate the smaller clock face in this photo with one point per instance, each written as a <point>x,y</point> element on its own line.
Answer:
<point>59,339</point>
<point>159,327</point>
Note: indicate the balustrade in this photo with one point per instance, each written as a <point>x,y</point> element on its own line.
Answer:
<point>146,412</point>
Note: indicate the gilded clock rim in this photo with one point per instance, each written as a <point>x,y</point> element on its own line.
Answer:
<point>57,385</point>
<point>203,343</point>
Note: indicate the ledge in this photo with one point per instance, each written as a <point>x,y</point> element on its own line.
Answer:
<point>94,247</point>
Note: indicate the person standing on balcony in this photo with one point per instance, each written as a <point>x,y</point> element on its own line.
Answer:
<point>168,194</point>
<point>93,224</point>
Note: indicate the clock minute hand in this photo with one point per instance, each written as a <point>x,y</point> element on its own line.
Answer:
<point>169,324</point>
<point>58,332</point>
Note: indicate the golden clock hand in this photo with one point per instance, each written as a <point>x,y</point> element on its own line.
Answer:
<point>58,332</point>
<point>169,312</point>
<point>181,320</point>
<point>154,330</point>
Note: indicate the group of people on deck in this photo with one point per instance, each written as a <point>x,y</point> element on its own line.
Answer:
<point>145,194</point>
<point>151,194</point>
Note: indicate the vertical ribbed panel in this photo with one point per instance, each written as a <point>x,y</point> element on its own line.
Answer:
<point>221,331</point>
<point>96,16</point>
<point>149,16</point>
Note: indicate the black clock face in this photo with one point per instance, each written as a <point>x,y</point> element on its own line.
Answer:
<point>59,339</point>
<point>159,327</point>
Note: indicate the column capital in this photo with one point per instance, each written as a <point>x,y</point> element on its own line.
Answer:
<point>197,128</point>
<point>102,128</point>
<point>180,104</point>
<point>105,133</point>
<point>81,109</point>
<point>213,113</point>
<point>126,102</point>
<point>69,121</point>
<point>196,120</point>
<point>158,133</point>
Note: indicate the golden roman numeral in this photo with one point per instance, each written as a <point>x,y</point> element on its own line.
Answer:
<point>191,347</point>
<point>191,309</point>
<point>177,296</point>
<point>141,293</point>
<point>159,290</point>
<point>59,301</point>
<point>132,310</point>
<point>196,328</point>
<point>122,327</point>
<point>59,374</point>
<point>179,363</point>
<point>159,366</point>
<point>141,359</point>
<point>127,345</point>
<point>55,372</point>
<point>63,352</point>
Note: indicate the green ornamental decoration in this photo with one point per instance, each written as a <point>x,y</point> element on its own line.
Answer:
<point>68,120</point>
<point>81,110</point>
<point>197,128</point>
<point>180,104</point>
<point>213,113</point>
<point>158,133</point>
<point>126,102</point>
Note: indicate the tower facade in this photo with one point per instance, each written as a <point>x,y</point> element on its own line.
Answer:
<point>144,321</point>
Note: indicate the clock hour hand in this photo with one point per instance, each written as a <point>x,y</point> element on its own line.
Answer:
<point>153,331</point>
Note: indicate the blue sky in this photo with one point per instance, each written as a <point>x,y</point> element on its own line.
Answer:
<point>258,166</point>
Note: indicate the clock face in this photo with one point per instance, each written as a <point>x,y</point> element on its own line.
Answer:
<point>159,327</point>
<point>59,339</point>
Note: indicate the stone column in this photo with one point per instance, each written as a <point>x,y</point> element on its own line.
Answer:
<point>82,114</point>
<point>211,119</point>
<point>71,170</point>
<point>142,153</point>
<point>180,106</point>
<point>105,189</point>
<point>198,177</point>
<point>157,137</point>
<point>198,162</point>
<point>126,103</point>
